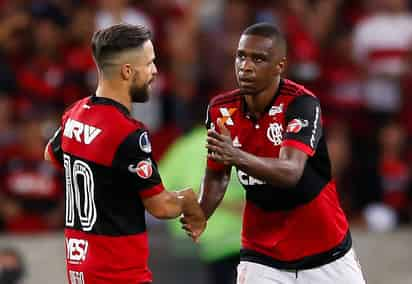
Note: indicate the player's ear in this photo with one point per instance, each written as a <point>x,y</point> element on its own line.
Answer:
<point>281,65</point>
<point>126,71</point>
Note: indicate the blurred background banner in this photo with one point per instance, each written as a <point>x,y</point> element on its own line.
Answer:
<point>356,56</point>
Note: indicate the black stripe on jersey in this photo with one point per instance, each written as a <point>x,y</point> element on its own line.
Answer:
<point>130,154</point>
<point>225,98</point>
<point>305,108</point>
<point>119,209</point>
<point>308,262</point>
<point>293,91</point>
<point>108,101</point>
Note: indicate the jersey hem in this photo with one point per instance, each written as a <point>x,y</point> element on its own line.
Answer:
<point>307,262</point>
<point>152,191</point>
<point>300,146</point>
<point>215,166</point>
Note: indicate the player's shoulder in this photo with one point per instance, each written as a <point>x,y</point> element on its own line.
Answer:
<point>106,114</point>
<point>75,105</point>
<point>225,99</point>
<point>116,114</point>
<point>290,88</point>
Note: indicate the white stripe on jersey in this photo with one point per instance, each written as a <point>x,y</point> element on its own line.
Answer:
<point>315,126</point>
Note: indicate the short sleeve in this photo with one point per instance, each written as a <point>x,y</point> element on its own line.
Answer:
<point>303,124</point>
<point>54,148</point>
<point>134,159</point>
<point>213,165</point>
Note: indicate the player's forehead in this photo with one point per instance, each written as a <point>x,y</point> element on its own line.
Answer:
<point>146,52</point>
<point>255,44</point>
<point>147,48</point>
<point>143,54</point>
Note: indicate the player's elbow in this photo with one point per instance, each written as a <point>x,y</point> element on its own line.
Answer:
<point>292,176</point>
<point>46,154</point>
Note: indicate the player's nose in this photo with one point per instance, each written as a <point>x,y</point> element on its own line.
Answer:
<point>154,70</point>
<point>246,65</point>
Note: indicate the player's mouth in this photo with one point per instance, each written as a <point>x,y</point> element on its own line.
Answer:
<point>246,81</point>
<point>245,78</point>
<point>150,83</point>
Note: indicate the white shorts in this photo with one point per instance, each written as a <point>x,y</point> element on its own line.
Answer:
<point>344,270</point>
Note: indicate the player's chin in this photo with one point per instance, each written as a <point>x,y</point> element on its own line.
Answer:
<point>247,87</point>
<point>140,98</point>
<point>248,90</point>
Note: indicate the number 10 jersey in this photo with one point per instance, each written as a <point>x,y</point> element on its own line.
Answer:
<point>108,166</point>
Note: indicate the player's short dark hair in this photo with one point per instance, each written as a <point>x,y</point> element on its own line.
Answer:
<point>109,42</point>
<point>269,31</point>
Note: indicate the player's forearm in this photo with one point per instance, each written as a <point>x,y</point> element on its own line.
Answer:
<point>177,203</point>
<point>213,190</point>
<point>279,172</point>
<point>190,205</point>
<point>168,207</point>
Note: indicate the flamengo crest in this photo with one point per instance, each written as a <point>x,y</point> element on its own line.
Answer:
<point>274,133</point>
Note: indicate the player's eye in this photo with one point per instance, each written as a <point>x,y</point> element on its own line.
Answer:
<point>258,59</point>
<point>241,56</point>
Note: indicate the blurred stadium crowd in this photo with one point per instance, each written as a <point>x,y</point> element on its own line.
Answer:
<point>355,55</point>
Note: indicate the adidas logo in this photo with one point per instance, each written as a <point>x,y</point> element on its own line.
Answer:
<point>236,142</point>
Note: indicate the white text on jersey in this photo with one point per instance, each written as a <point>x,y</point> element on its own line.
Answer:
<point>246,179</point>
<point>74,128</point>
<point>76,249</point>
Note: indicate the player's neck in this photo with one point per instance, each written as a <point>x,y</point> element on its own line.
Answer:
<point>257,103</point>
<point>112,91</point>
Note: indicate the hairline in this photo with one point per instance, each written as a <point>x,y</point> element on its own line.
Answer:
<point>110,61</point>
<point>278,41</point>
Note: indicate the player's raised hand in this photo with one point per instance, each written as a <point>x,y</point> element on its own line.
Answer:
<point>220,145</point>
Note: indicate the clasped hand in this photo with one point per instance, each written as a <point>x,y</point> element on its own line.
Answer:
<point>194,226</point>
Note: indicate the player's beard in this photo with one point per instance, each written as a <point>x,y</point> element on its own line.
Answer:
<point>139,94</point>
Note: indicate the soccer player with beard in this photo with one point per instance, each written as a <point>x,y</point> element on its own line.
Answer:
<point>270,130</point>
<point>110,175</point>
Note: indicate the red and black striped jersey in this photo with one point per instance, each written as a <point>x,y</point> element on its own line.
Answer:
<point>108,166</point>
<point>293,228</point>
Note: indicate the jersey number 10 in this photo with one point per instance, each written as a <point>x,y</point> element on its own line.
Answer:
<point>79,194</point>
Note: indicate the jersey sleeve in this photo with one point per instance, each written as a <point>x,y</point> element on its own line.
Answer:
<point>303,124</point>
<point>54,149</point>
<point>210,123</point>
<point>134,159</point>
